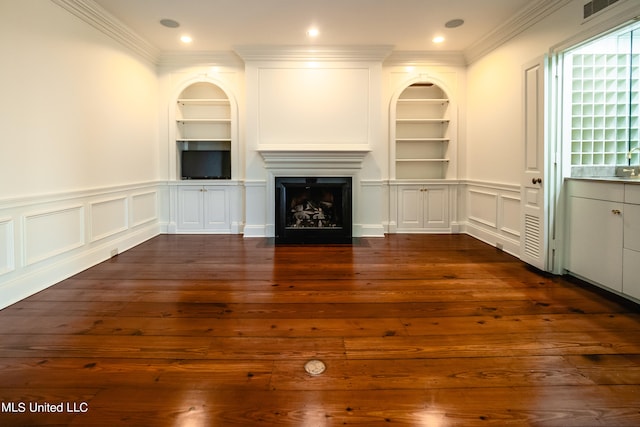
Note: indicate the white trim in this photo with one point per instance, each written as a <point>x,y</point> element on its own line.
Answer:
<point>94,15</point>
<point>534,12</point>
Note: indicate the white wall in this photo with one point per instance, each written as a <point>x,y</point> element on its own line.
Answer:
<point>495,91</point>
<point>493,148</point>
<point>78,110</point>
<point>78,147</point>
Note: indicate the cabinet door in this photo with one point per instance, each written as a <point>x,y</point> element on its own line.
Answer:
<point>410,207</point>
<point>423,207</point>
<point>595,244</point>
<point>631,260</point>
<point>436,207</point>
<point>631,274</point>
<point>190,208</point>
<point>216,209</point>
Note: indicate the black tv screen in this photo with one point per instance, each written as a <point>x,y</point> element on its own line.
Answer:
<point>206,164</point>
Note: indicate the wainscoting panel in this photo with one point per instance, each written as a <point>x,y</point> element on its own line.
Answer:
<point>7,250</point>
<point>53,232</point>
<point>510,210</point>
<point>45,239</point>
<point>491,213</point>
<point>483,207</point>
<point>108,217</point>
<point>144,208</point>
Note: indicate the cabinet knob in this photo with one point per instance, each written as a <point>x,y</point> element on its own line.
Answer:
<point>536,180</point>
<point>616,211</point>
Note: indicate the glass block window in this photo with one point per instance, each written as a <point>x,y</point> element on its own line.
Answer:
<point>602,84</point>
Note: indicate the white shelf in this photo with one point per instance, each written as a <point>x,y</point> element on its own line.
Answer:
<point>422,140</point>
<point>422,160</point>
<point>203,120</point>
<point>203,140</point>
<point>419,120</point>
<point>424,100</point>
<point>421,133</point>
<point>203,101</point>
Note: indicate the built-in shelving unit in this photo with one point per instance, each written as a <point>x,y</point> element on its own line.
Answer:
<point>203,119</point>
<point>421,137</point>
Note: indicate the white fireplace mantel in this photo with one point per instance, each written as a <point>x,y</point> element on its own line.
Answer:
<point>314,157</point>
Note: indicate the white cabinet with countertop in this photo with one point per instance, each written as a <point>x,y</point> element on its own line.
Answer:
<point>603,234</point>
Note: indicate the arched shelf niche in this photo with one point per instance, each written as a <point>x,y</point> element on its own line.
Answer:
<point>422,122</point>
<point>205,120</point>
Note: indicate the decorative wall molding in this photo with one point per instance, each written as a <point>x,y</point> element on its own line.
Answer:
<point>52,232</point>
<point>491,212</point>
<point>94,15</point>
<point>108,217</point>
<point>45,240</point>
<point>7,249</point>
<point>360,53</point>
<point>534,12</point>
<point>324,157</point>
<point>425,58</point>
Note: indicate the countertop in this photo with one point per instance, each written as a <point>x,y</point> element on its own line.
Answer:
<point>612,179</point>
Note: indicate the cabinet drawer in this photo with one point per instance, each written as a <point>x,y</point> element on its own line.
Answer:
<point>597,190</point>
<point>632,193</point>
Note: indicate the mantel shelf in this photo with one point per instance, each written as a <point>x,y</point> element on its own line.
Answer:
<point>348,156</point>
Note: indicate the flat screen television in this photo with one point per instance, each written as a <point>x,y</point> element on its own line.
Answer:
<point>205,164</point>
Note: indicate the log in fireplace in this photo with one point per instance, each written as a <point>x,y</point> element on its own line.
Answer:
<point>313,210</point>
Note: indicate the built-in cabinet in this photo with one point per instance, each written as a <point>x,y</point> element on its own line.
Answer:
<point>423,208</point>
<point>603,239</point>
<point>422,158</point>
<point>204,208</point>
<point>205,199</point>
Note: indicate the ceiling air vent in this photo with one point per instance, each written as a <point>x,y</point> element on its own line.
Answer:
<point>595,6</point>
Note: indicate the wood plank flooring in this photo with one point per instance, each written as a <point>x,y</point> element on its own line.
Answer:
<point>417,330</point>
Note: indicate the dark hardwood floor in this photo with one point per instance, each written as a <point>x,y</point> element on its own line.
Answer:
<point>419,330</point>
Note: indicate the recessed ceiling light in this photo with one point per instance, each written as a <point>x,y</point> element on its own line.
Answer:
<point>169,23</point>
<point>438,39</point>
<point>454,23</point>
<point>186,39</point>
<point>313,32</point>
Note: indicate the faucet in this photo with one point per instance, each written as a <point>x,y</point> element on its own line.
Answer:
<point>631,152</point>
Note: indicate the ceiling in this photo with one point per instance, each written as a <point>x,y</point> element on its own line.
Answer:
<point>406,25</point>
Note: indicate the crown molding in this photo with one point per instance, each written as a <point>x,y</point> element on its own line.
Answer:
<point>94,15</point>
<point>417,58</point>
<point>365,53</point>
<point>170,59</point>
<point>533,13</point>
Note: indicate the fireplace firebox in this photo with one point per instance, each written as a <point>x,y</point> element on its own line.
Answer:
<point>313,210</point>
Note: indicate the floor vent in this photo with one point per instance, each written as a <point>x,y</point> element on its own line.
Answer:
<point>595,6</point>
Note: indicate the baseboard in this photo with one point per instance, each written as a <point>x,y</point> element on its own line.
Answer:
<point>67,265</point>
<point>499,241</point>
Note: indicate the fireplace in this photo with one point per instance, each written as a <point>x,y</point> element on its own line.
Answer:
<point>313,210</point>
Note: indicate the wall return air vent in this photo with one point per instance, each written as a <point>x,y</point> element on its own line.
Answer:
<point>595,6</point>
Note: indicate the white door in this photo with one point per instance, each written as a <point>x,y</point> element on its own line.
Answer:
<point>533,237</point>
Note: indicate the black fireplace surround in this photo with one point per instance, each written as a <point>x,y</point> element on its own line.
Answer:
<point>313,210</point>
